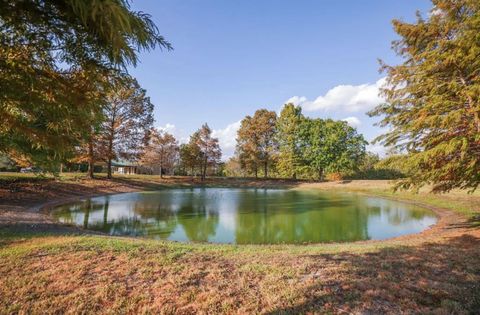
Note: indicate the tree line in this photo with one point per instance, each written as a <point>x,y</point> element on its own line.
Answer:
<point>288,146</point>
<point>292,145</point>
<point>200,156</point>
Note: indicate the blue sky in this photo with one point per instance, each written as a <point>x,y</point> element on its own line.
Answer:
<point>231,58</point>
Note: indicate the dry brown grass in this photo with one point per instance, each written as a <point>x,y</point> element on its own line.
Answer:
<point>86,275</point>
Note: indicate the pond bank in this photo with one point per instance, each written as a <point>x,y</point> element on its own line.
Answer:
<point>24,203</point>
<point>436,271</point>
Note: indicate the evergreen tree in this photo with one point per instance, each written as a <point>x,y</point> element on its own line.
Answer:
<point>53,58</point>
<point>433,98</point>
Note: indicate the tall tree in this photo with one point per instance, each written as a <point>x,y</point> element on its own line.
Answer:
<point>210,151</point>
<point>344,146</point>
<point>247,144</point>
<point>265,127</point>
<point>256,142</point>
<point>329,146</point>
<point>162,152</point>
<point>432,104</point>
<point>128,120</point>
<point>189,156</point>
<point>44,47</point>
<point>312,145</point>
<point>288,140</point>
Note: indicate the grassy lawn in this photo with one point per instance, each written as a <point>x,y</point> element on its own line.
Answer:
<point>50,272</point>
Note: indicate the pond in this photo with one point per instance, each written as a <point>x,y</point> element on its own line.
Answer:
<point>247,216</point>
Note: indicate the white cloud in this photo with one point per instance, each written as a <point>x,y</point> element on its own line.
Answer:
<point>179,134</point>
<point>183,140</point>
<point>170,128</point>
<point>227,138</point>
<point>348,98</point>
<point>353,121</point>
<point>377,149</point>
<point>297,100</point>
<point>435,11</point>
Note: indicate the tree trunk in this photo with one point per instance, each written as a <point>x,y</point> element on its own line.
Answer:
<point>87,214</point>
<point>320,174</point>
<point>109,168</point>
<point>110,153</point>
<point>256,171</point>
<point>204,172</point>
<point>161,165</point>
<point>105,213</point>
<point>265,169</point>
<point>90,158</point>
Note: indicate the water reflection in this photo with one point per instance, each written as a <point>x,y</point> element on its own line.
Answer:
<point>242,216</point>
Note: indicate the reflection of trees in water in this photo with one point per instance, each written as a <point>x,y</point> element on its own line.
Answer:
<point>259,216</point>
<point>154,215</point>
<point>251,220</point>
<point>395,213</point>
<point>78,213</point>
<point>299,217</point>
<point>105,211</point>
<point>158,214</point>
<point>198,215</point>
<point>86,215</point>
<point>123,226</point>
<point>67,213</point>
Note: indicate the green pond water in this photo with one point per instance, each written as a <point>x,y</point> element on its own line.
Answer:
<point>247,216</point>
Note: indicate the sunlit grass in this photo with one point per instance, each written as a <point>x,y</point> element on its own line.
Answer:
<point>459,201</point>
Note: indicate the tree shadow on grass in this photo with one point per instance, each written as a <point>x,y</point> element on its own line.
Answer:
<point>471,223</point>
<point>28,230</point>
<point>439,278</point>
<point>474,221</point>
